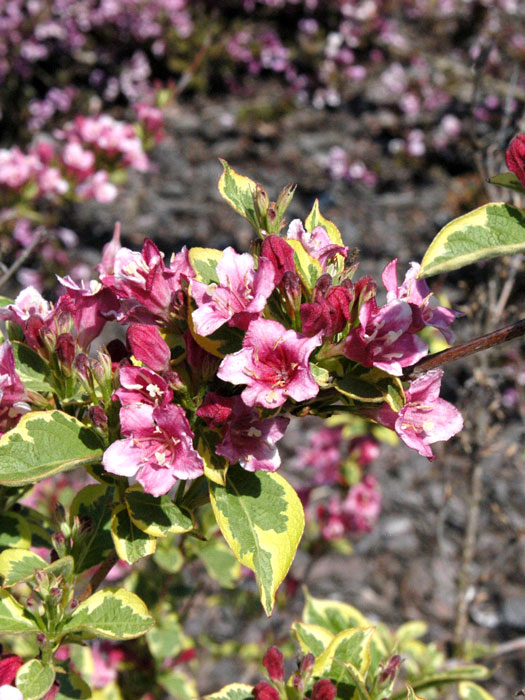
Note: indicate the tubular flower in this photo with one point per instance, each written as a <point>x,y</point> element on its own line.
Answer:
<point>274,365</point>
<point>425,418</point>
<point>238,298</point>
<point>158,448</point>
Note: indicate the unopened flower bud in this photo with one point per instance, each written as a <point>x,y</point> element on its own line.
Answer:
<point>273,663</point>
<point>265,691</point>
<point>284,199</point>
<point>291,289</point>
<point>74,604</point>
<point>56,594</point>
<point>324,690</point>
<point>515,157</point>
<point>261,202</point>
<point>65,351</point>
<point>307,664</point>
<point>41,639</point>
<point>40,577</point>
<point>98,417</point>
<point>391,668</point>
<point>298,682</point>
<point>82,366</point>
<point>281,255</point>
<point>148,346</point>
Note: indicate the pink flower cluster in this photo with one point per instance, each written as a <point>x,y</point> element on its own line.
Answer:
<point>173,394</point>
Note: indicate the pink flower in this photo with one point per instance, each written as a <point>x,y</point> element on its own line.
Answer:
<point>97,186</point>
<point>142,385</point>
<point>27,304</point>
<point>78,159</point>
<point>150,289</point>
<point>362,504</point>
<point>158,448</point>
<point>425,307</point>
<point>323,455</point>
<point>90,307</point>
<point>425,418</point>
<point>274,365</point>
<point>329,312</point>
<point>148,346</point>
<point>247,438</point>
<point>384,339</point>
<point>318,243</point>
<point>240,296</point>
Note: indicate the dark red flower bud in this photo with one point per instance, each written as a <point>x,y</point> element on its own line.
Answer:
<point>391,668</point>
<point>280,254</point>
<point>97,415</point>
<point>9,666</point>
<point>315,317</point>
<point>324,690</point>
<point>215,410</point>
<point>339,300</point>
<point>65,350</point>
<point>323,284</point>
<point>265,691</point>
<point>273,663</point>
<point>307,663</point>
<point>32,331</point>
<point>515,157</point>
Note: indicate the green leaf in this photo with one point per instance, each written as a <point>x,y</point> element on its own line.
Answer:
<point>411,630</point>
<point>111,613</point>
<point>156,516</point>
<point>168,557</point>
<point>312,638</point>
<point>19,565</point>
<point>487,232</point>
<point>262,519</point>
<point>204,261</point>
<point>331,614</point>
<point>473,691</point>
<point>350,646</point>
<point>309,269</point>
<point>315,218</point>
<point>358,680</point>
<point>178,685</point>
<point>93,506</point>
<point>5,301</point>
<point>131,543</point>
<point>233,691</point>
<point>508,180</point>
<point>452,675</point>
<point>13,617</point>
<point>410,694</point>
<point>34,679</point>
<point>32,369</point>
<point>215,466</point>
<point>219,561</point>
<point>45,443</point>
<point>14,531</point>
<point>167,639</point>
<point>72,687</point>
<point>238,191</point>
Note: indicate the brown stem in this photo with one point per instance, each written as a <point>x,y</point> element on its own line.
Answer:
<point>37,240</point>
<point>99,575</point>
<point>484,342</point>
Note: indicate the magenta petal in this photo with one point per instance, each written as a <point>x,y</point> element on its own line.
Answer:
<point>122,457</point>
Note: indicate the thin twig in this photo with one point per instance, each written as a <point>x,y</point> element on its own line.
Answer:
<point>484,342</point>
<point>498,309</point>
<point>37,240</point>
<point>99,575</point>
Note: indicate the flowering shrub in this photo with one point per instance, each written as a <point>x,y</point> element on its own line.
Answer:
<point>178,427</point>
<point>85,160</point>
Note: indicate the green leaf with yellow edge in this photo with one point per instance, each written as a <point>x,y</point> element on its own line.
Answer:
<point>111,691</point>
<point>509,181</point>
<point>309,269</point>
<point>233,691</point>
<point>178,684</point>
<point>72,687</point>
<point>371,386</point>
<point>358,680</point>
<point>215,466</point>
<point>204,261</point>
<point>262,520</point>
<point>167,639</point>
<point>315,218</point>
<point>453,675</point>
<point>350,646</point>
<point>238,191</point>
<point>13,618</point>
<point>31,368</point>
<point>130,543</point>
<point>219,561</point>
<point>14,531</point>
<point>473,691</point>
<point>411,695</point>
<point>45,443</point>
<point>156,516</point>
<point>411,630</point>
<point>93,506</point>
<point>311,638</point>
<point>331,614</point>
<point>19,565</point>
<point>487,232</point>
<point>112,613</point>
<point>34,679</point>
